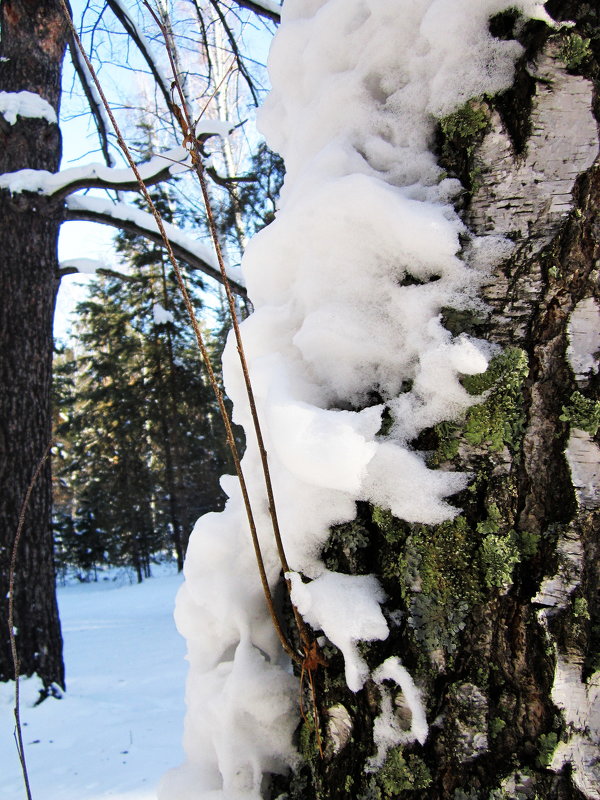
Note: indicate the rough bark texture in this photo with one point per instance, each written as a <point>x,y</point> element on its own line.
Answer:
<point>31,54</point>
<point>496,614</point>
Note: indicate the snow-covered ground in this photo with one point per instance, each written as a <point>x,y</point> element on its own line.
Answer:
<point>118,728</point>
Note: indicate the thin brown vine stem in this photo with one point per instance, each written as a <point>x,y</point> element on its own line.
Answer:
<point>216,89</point>
<point>201,345</point>
<point>11,616</point>
<point>200,172</point>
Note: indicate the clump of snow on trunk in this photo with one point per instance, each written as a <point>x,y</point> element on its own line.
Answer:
<point>348,284</point>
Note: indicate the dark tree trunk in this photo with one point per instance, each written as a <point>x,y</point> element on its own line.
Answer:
<point>500,608</point>
<point>164,414</point>
<point>31,54</point>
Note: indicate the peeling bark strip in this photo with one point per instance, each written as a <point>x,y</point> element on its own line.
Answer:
<point>31,52</point>
<point>526,196</point>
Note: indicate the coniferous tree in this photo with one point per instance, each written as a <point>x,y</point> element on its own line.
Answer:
<point>145,442</point>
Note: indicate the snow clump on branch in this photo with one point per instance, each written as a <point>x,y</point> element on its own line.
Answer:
<point>25,104</point>
<point>348,284</point>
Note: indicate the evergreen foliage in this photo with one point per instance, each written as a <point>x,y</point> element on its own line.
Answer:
<point>142,446</point>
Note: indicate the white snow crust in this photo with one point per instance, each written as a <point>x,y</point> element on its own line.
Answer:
<point>346,608</point>
<point>86,266</point>
<point>348,284</point>
<point>161,315</point>
<point>25,104</point>
<point>41,181</point>
<point>388,731</point>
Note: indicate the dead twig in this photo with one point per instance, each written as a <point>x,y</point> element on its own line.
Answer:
<point>11,616</point>
<point>312,657</point>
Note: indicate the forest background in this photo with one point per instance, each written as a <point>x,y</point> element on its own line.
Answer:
<point>131,346</point>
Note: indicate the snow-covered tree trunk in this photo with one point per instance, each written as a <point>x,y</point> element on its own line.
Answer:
<point>416,340</point>
<point>499,624</point>
<point>31,53</point>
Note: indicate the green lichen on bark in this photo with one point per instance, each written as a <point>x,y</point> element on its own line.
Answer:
<point>458,136</point>
<point>465,123</point>
<point>344,550</point>
<point>402,773</point>
<point>582,412</point>
<point>574,50</point>
<point>547,744</point>
<point>441,572</point>
<point>498,554</point>
<point>448,443</point>
<point>438,582</point>
<point>499,419</point>
<point>431,569</point>
<point>495,727</point>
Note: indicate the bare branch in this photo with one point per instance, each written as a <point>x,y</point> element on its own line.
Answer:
<point>229,183</point>
<point>235,50</point>
<point>308,644</point>
<point>140,42</point>
<point>95,107</point>
<point>204,39</point>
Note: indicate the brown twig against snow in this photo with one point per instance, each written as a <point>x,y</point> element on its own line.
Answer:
<point>11,615</point>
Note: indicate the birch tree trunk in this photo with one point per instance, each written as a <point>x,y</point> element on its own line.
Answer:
<point>500,622</point>
<point>31,53</point>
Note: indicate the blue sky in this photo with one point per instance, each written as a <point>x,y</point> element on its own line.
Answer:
<point>80,146</point>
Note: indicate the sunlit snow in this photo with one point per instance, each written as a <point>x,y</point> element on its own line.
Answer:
<point>118,727</point>
<point>25,104</point>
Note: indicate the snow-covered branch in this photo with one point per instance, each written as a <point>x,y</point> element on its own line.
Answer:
<point>265,8</point>
<point>96,176</point>
<point>127,218</point>
<point>90,266</point>
<point>111,273</point>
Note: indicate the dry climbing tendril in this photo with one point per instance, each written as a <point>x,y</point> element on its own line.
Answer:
<point>11,615</point>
